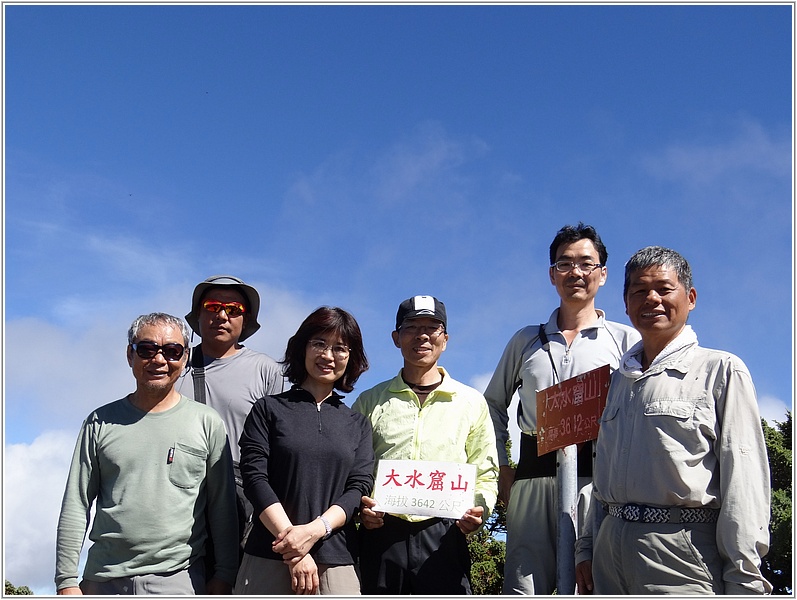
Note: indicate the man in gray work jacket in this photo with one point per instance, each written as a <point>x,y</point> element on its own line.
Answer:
<point>681,466</point>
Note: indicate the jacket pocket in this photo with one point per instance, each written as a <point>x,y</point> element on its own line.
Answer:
<point>610,412</point>
<point>680,408</point>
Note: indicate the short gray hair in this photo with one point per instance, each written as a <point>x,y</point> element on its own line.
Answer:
<point>651,256</point>
<point>154,319</point>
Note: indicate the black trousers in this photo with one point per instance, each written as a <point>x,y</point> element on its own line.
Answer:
<point>430,557</point>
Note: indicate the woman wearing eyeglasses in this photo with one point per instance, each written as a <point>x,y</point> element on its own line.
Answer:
<point>306,460</point>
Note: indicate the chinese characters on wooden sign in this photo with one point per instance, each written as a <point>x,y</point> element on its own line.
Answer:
<point>424,487</point>
<point>569,412</point>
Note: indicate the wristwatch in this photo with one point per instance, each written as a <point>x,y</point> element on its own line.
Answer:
<point>327,526</point>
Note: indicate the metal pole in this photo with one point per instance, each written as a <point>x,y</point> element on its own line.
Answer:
<point>598,512</point>
<point>567,494</point>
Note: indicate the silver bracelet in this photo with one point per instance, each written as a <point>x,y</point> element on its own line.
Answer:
<point>327,526</point>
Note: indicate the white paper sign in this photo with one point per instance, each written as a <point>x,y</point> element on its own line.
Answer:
<point>424,487</point>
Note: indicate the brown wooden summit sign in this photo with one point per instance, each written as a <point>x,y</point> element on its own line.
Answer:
<point>569,412</point>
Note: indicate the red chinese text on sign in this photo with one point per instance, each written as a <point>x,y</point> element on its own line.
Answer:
<point>569,412</point>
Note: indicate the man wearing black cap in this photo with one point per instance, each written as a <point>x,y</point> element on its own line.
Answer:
<point>424,414</point>
<point>223,373</point>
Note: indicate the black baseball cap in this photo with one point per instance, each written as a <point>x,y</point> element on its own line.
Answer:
<point>421,306</point>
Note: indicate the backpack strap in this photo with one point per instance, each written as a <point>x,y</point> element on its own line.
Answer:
<point>546,345</point>
<point>198,373</point>
<point>544,340</point>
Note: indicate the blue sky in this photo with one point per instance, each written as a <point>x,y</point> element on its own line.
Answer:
<point>359,155</point>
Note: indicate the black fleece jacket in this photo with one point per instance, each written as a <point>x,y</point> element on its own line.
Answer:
<point>308,457</point>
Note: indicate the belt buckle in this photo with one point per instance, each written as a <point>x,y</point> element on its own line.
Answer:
<point>632,513</point>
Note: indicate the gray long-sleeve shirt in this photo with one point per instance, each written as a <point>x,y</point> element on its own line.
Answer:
<point>525,364</point>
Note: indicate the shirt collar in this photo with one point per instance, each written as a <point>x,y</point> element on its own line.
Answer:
<point>399,385</point>
<point>302,395</point>
<point>553,327</point>
<point>676,355</point>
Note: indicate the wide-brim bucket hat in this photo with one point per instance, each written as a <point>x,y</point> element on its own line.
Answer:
<point>252,301</point>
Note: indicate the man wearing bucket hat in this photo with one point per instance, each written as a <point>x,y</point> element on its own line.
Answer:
<point>424,414</point>
<point>223,373</point>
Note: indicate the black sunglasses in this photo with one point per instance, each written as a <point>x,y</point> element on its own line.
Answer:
<point>171,352</point>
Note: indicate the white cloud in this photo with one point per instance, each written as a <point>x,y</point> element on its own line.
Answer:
<point>135,260</point>
<point>34,476</point>
<point>480,383</point>
<point>71,372</point>
<point>327,185</point>
<point>427,158</point>
<point>80,364</point>
<point>773,409</point>
<point>78,367</point>
<point>281,313</point>
<point>427,166</point>
<point>752,149</point>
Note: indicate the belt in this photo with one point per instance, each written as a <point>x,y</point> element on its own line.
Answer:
<point>530,465</point>
<point>651,514</point>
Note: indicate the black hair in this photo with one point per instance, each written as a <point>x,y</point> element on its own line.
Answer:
<point>569,234</point>
<point>321,321</point>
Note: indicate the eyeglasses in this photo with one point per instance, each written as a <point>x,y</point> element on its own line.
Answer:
<point>339,351</point>
<point>233,309</point>
<point>565,266</point>
<point>147,350</point>
<point>433,331</point>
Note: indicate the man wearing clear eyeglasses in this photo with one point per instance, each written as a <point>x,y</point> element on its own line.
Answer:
<point>157,467</point>
<point>424,414</point>
<point>576,338</point>
<point>223,373</point>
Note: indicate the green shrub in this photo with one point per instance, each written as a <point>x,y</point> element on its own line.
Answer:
<point>777,564</point>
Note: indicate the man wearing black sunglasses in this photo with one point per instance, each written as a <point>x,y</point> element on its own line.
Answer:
<point>223,373</point>
<point>158,468</point>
